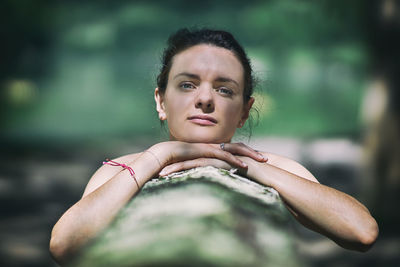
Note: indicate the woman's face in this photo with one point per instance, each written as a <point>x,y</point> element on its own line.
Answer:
<point>203,101</point>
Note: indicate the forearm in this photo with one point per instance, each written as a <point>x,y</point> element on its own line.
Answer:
<point>96,210</point>
<point>321,208</point>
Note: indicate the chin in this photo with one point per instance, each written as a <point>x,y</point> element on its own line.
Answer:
<point>199,134</point>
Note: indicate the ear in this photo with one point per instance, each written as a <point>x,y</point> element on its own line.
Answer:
<point>246,111</point>
<point>159,98</point>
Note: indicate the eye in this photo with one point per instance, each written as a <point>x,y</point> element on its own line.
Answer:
<point>224,91</point>
<point>186,85</point>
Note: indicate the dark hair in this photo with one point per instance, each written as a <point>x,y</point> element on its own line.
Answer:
<point>185,38</point>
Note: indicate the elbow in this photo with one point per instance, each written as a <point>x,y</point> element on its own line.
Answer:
<point>58,250</point>
<point>368,237</point>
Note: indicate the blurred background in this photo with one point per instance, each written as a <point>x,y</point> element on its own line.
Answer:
<point>77,81</point>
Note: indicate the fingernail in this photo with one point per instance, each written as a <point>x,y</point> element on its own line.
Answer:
<point>162,173</point>
<point>263,157</point>
<point>244,165</point>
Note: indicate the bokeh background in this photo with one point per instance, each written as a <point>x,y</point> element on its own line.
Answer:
<point>77,81</point>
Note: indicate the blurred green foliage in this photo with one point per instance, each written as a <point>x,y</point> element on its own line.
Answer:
<point>79,70</point>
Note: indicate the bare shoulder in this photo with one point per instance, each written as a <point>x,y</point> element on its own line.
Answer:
<point>106,172</point>
<point>289,165</point>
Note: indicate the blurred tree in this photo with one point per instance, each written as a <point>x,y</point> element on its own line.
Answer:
<point>25,48</point>
<point>382,113</point>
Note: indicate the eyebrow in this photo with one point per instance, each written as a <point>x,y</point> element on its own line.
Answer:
<point>197,77</point>
<point>190,75</point>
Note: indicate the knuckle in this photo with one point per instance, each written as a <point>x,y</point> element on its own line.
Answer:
<point>204,162</point>
<point>233,159</point>
<point>210,145</point>
<point>175,166</point>
<point>228,155</point>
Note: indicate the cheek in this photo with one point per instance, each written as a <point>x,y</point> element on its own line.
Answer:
<point>233,111</point>
<point>175,105</point>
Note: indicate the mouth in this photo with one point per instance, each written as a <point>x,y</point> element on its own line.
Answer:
<point>203,120</point>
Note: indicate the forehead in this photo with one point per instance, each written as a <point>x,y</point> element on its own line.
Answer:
<point>208,61</point>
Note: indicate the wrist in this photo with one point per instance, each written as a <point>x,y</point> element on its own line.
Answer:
<point>145,167</point>
<point>160,153</point>
<point>260,172</point>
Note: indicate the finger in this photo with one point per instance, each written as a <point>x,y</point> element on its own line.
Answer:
<point>189,164</point>
<point>227,157</point>
<point>243,150</point>
<point>189,151</point>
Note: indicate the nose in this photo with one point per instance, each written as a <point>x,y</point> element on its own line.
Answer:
<point>205,99</point>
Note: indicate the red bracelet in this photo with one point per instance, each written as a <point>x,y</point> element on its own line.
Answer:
<point>114,163</point>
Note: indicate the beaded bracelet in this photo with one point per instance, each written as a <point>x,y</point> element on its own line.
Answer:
<point>114,163</point>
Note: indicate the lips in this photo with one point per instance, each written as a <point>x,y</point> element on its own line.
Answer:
<point>204,120</point>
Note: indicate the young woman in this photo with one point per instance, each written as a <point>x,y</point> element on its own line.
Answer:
<point>204,93</point>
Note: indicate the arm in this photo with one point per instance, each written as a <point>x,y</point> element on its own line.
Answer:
<point>107,192</point>
<point>112,187</point>
<point>320,208</point>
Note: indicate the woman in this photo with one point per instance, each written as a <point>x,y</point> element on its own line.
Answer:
<point>204,93</point>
